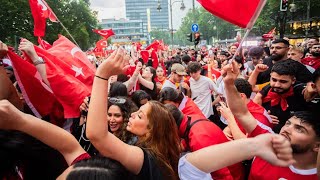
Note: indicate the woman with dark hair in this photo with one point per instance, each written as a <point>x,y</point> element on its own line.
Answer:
<point>140,98</point>
<point>147,82</point>
<point>156,153</point>
<point>118,89</point>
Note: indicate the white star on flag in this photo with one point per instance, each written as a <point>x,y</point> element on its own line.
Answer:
<point>77,70</point>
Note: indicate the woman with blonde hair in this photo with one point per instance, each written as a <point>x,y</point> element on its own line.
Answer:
<point>156,153</point>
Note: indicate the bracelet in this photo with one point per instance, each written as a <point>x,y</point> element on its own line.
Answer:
<point>106,79</point>
<point>39,61</point>
<point>1,62</point>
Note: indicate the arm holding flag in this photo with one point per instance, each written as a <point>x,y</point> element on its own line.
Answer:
<point>28,48</point>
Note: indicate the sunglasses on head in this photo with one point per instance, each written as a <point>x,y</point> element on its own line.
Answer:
<point>116,100</point>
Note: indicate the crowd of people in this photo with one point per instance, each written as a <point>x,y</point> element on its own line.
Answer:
<point>233,113</point>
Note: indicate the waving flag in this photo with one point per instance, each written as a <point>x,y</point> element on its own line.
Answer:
<point>44,44</point>
<point>103,43</point>
<point>270,34</point>
<point>242,13</point>
<point>106,33</point>
<point>40,12</point>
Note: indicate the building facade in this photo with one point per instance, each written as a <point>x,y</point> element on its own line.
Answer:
<point>137,10</point>
<point>127,31</point>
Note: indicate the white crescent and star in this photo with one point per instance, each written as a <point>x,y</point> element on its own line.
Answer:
<point>103,33</point>
<point>74,50</point>
<point>41,3</point>
<point>77,70</point>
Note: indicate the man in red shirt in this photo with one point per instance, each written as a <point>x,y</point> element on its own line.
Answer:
<point>203,133</point>
<point>302,130</point>
<point>313,61</point>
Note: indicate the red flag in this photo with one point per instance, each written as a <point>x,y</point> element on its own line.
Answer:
<point>36,93</point>
<point>154,45</point>
<point>270,34</point>
<point>40,12</point>
<point>106,33</point>
<point>103,43</point>
<point>44,44</point>
<point>242,13</point>
<point>144,55</point>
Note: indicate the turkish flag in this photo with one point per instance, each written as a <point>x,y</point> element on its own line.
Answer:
<point>36,93</point>
<point>270,34</point>
<point>44,44</point>
<point>40,12</point>
<point>154,45</point>
<point>103,43</point>
<point>106,33</point>
<point>242,13</point>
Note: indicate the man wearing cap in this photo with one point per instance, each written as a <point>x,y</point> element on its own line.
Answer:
<point>178,71</point>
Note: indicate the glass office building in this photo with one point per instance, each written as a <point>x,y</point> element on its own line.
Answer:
<point>137,10</point>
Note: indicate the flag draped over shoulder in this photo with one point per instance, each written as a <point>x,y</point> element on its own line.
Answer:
<point>106,33</point>
<point>40,12</point>
<point>242,13</point>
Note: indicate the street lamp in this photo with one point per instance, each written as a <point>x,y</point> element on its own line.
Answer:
<point>182,7</point>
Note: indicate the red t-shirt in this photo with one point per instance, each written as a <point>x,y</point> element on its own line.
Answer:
<point>262,170</point>
<point>188,107</point>
<point>204,134</point>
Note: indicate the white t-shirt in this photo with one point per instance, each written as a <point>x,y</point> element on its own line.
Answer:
<point>201,91</point>
<point>187,171</point>
<point>168,83</point>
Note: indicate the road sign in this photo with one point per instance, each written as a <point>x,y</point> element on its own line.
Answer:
<point>194,28</point>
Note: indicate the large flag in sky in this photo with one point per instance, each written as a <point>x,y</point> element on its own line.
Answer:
<point>242,13</point>
<point>106,33</point>
<point>40,12</point>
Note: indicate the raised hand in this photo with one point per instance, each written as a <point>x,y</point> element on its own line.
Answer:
<point>27,47</point>
<point>261,68</point>
<point>231,72</point>
<point>275,149</point>
<point>113,65</point>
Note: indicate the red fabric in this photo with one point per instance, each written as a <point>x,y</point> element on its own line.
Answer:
<point>80,158</point>
<point>310,61</point>
<point>276,98</point>
<point>270,34</point>
<point>158,81</point>
<point>262,170</point>
<point>190,108</point>
<point>241,13</point>
<point>129,72</point>
<point>40,12</point>
<point>215,73</point>
<point>154,45</point>
<point>144,55</point>
<point>69,77</point>
<point>204,134</point>
<point>103,43</point>
<point>106,33</point>
<point>44,44</point>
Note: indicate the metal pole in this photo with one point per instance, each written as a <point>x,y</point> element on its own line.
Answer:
<point>171,23</point>
<point>193,9</point>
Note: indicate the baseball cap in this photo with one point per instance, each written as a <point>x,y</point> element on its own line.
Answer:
<point>179,69</point>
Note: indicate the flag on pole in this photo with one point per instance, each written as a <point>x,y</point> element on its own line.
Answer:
<point>40,12</point>
<point>106,33</point>
<point>103,43</point>
<point>242,13</point>
<point>270,34</point>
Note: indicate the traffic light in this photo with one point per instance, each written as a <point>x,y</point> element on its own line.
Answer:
<point>189,37</point>
<point>196,38</point>
<point>283,5</point>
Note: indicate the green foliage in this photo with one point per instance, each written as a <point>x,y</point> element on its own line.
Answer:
<point>76,16</point>
<point>160,34</point>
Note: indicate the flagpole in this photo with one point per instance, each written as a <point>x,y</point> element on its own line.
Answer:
<point>62,25</point>
<point>240,45</point>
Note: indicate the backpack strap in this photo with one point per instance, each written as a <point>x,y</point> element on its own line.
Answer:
<point>187,131</point>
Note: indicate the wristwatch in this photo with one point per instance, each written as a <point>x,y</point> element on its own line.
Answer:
<point>38,61</point>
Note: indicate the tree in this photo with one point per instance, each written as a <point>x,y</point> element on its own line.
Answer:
<point>160,34</point>
<point>75,15</point>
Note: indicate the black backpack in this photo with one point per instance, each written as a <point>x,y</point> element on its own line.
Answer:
<point>187,131</point>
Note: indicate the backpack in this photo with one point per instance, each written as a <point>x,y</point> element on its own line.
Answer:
<point>187,131</point>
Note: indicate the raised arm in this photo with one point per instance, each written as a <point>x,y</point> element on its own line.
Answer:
<point>13,119</point>
<point>134,78</point>
<point>254,75</point>
<point>147,84</point>
<point>235,103</point>
<point>271,147</point>
<point>27,47</point>
<point>106,143</point>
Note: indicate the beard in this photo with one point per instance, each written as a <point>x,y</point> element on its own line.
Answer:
<point>280,90</point>
<point>315,54</point>
<point>276,57</point>
<point>298,149</point>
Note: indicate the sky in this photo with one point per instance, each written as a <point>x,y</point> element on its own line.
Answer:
<point>109,8</point>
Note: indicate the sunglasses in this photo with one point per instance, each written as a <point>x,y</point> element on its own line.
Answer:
<point>114,100</point>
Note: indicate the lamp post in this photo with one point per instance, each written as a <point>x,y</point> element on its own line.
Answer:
<point>171,23</point>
